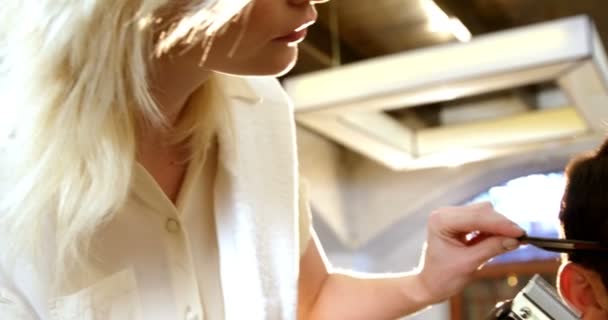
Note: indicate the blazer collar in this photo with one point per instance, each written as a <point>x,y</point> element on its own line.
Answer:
<point>237,87</point>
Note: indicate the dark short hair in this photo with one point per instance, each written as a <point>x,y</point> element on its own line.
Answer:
<point>584,208</point>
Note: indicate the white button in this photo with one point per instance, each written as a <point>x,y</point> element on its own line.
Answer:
<point>190,315</point>
<point>172,225</point>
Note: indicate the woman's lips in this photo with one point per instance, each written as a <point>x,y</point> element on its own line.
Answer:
<point>294,36</point>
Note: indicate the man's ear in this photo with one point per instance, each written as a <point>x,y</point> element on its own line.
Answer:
<point>576,287</point>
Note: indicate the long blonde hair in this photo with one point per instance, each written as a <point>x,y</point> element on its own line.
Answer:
<point>73,81</point>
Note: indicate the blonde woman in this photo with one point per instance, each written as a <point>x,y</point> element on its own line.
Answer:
<point>146,175</point>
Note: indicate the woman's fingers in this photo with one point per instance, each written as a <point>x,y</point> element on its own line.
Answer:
<point>473,238</point>
<point>478,217</point>
<point>491,247</point>
<point>459,241</point>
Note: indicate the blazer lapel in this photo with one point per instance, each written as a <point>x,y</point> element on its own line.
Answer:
<point>256,199</point>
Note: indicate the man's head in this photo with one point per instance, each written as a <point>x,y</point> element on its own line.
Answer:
<point>583,277</point>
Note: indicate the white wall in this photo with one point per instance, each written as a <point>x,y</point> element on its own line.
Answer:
<point>321,167</point>
<point>380,200</point>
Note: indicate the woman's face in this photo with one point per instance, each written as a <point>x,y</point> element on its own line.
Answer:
<point>263,42</point>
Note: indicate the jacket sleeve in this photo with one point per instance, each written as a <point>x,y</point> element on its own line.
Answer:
<point>305,217</point>
<point>12,307</point>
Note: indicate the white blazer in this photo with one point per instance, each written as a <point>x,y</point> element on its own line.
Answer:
<point>229,250</point>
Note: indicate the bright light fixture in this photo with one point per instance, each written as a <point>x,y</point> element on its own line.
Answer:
<point>438,19</point>
<point>440,22</point>
<point>460,31</point>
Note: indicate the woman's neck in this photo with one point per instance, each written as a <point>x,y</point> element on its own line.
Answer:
<point>172,82</point>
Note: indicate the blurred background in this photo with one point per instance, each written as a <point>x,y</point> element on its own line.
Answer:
<point>404,106</point>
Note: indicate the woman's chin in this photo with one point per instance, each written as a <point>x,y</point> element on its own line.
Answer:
<point>277,64</point>
<point>285,69</point>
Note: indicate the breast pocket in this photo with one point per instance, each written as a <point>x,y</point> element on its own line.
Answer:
<point>112,298</point>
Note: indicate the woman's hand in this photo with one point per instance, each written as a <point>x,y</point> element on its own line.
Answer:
<point>459,241</point>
